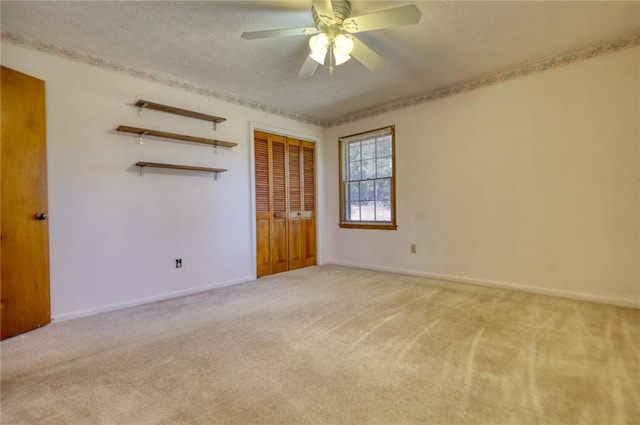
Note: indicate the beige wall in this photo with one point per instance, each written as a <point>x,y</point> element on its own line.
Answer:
<point>115,235</point>
<point>531,183</point>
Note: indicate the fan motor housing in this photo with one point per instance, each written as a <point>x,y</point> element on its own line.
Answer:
<point>341,10</point>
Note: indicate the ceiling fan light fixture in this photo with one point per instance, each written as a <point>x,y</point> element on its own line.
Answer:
<point>335,31</point>
<point>340,57</point>
<point>343,45</point>
<point>319,45</point>
<point>319,55</point>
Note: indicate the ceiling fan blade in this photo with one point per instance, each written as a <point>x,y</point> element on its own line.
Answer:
<point>366,56</point>
<point>405,15</point>
<point>308,68</point>
<point>285,32</point>
<point>324,10</point>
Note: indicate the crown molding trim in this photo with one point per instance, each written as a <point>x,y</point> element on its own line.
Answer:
<point>524,70</point>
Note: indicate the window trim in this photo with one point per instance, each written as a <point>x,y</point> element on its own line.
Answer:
<point>393,225</point>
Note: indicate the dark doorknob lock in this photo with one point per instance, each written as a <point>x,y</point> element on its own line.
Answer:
<point>41,216</point>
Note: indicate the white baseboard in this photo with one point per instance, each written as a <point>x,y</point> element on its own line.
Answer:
<point>494,284</point>
<point>140,301</point>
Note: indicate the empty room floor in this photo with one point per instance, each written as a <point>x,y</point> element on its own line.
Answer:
<point>332,345</point>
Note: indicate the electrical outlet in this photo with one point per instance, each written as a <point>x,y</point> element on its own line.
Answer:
<point>178,263</point>
<point>413,248</point>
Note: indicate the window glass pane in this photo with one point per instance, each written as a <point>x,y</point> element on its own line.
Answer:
<point>383,211</point>
<point>383,189</point>
<point>353,191</point>
<point>367,211</point>
<point>369,169</point>
<point>383,146</point>
<point>354,151</point>
<point>383,167</point>
<point>354,171</point>
<point>366,191</point>
<point>368,149</point>
<point>353,211</point>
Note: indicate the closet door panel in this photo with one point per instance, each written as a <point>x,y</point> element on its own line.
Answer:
<point>263,207</point>
<point>263,255</point>
<point>309,235</point>
<point>279,251</point>
<point>309,203</point>
<point>296,233</point>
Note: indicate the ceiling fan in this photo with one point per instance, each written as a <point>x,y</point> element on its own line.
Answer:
<point>334,34</point>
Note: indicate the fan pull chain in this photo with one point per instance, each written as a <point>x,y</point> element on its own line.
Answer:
<point>331,68</point>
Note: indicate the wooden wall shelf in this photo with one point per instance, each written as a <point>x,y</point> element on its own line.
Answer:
<point>173,110</point>
<point>148,132</point>
<point>179,167</point>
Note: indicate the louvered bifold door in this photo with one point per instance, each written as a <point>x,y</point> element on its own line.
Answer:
<point>271,203</point>
<point>285,203</point>
<point>279,255</point>
<point>296,233</point>
<point>308,203</point>
<point>263,205</point>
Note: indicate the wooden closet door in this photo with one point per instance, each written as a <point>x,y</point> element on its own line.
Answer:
<point>308,225</point>
<point>279,254</point>
<point>285,203</point>
<point>263,205</point>
<point>296,232</point>
<point>271,203</point>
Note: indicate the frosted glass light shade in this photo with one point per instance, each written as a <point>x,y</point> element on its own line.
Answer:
<point>340,57</point>
<point>319,44</point>
<point>343,45</point>
<point>319,55</point>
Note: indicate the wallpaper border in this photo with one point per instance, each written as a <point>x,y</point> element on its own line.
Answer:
<point>523,70</point>
<point>154,76</point>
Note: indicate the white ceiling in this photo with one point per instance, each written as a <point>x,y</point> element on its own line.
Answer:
<point>200,42</point>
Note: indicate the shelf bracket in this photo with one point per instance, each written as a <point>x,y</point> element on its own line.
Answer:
<point>215,175</point>
<point>140,137</point>
<point>215,126</point>
<point>215,149</point>
<point>140,108</point>
<point>141,171</point>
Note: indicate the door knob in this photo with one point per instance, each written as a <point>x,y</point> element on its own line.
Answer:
<point>41,216</point>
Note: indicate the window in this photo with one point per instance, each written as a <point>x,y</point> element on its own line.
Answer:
<point>367,180</point>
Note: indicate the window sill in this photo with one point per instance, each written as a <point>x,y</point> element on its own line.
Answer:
<point>365,225</point>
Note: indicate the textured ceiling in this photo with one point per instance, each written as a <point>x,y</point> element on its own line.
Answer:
<point>200,42</point>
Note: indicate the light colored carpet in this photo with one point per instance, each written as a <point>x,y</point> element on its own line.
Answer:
<point>332,345</point>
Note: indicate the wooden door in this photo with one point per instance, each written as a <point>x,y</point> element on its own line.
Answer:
<point>295,186</point>
<point>271,203</point>
<point>279,257</point>
<point>285,203</point>
<point>24,252</point>
<point>307,157</point>
<point>263,205</point>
